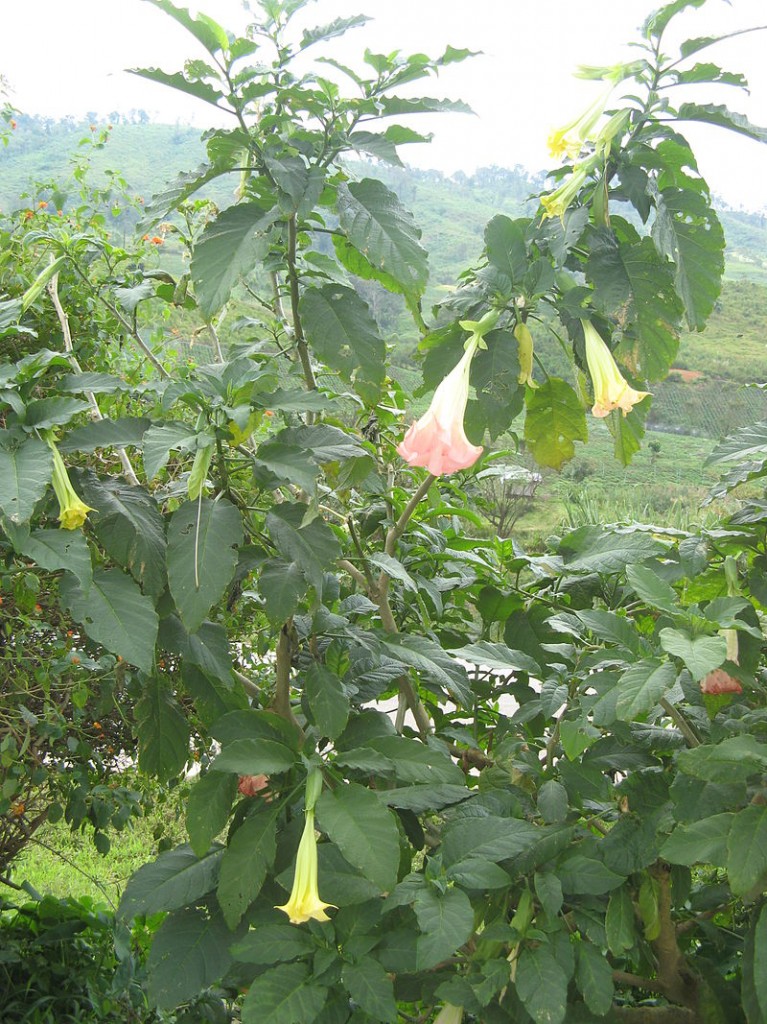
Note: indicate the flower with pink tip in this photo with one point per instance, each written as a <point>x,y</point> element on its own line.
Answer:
<point>437,440</point>
<point>719,681</point>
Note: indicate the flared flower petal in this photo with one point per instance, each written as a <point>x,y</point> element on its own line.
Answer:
<point>449,1014</point>
<point>304,903</point>
<point>719,681</point>
<point>611,391</point>
<point>72,511</point>
<point>570,139</point>
<point>437,441</point>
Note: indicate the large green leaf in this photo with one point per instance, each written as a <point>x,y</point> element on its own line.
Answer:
<point>106,433</point>
<point>175,879</point>
<point>254,757</point>
<point>246,860</point>
<point>51,412</point>
<point>283,995</point>
<point>599,549</point>
<point>130,527</point>
<point>747,850</point>
<point>115,613</point>
<point>190,952</point>
<point>699,842</point>
<point>687,229</point>
<point>634,284</point>
<point>54,550</point>
<point>700,654</point>
<point>309,542</point>
<point>204,29</point>
<point>505,245</point>
<point>497,656</point>
<point>163,732</point>
<point>731,760</point>
<point>620,924</point>
<point>760,960</point>
<point>340,329</point>
<point>207,648</point>
<point>642,686</point>
<point>25,471</point>
<point>203,537</point>
<point>281,585</point>
<point>446,921</point>
<point>273,944</point>
<point>497,839</point>
<point>364,830</point>
<point>327,700</point>
<point>228,249</point>
<point>594,978</point>
<point>722,117</point>
<point>541,984</point>
<point>653,590</point>
<point>427,656</point>
<point>377,224</point>
<point>207,809</point>
<point>554,420</point>
<point>371,988</point>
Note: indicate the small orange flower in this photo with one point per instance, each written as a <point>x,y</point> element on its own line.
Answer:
<point>156,240</point>
<point>17,809</point>
<point>268,412</point>
<point>75,660</point>
<point>28,214</point>
<point>97,725</point>
<point>42,205</point>
<point>38,607</point>
<point>93,127</point>
<point>13,125</point>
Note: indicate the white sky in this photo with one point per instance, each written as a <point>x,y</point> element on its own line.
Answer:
<point>69,57</point>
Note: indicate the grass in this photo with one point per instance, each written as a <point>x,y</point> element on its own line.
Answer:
<point>60,862</point>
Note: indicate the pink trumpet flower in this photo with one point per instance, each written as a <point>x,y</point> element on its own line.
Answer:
<point>437,441</point>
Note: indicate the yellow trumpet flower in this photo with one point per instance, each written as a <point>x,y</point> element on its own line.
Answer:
<point>72,511</point>
<point>305,903</point>
<point>556,203</point>
<point>611,391</point>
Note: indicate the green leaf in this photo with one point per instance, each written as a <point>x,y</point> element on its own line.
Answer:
<point>609,626</point>
<point>760,961</point>
<point>25,471</point>
<point>203,28</point>
<point>394,569</point>
<point>497,656</point>
<point>552,801</point>
<point>254,757</point>
<point>51,412</point>
<point>548,889</point>
<point>700,654</point>
<point>377,224</point>
<point>212,698</point>
<point>687,229</point>
<point>651,589</point>
<point>173,880</point>
<point>505,245</point>
<point>281,585</point>
<point>730,760</point>
<point>54,550</point>
<point>642,686</point>
<point>98,383</point>
<point>748,444</point>
<point>364,831</point>
<point>327,700</point>
<point>106,433</point>
<point>427,656</point>
<point>130,527</point>
<point>554,420</point>
<point>594,978</point>
<point>203,537</point>
<point>163,732</point>
<point>656,23</point>
<point>420,798</point>
<point>541,984</point>
<point>190,952</point>
<point>747,849</point>
<point>273,944</point>
<point>309,542</point>
<point>228,249</point>
<point>158,442</point>
<point>446,921</point>
<point>246,860</point>
<point>371,988</point>
<point>415,762</point>
<point>600,549</point>
<point>619,922</point>
<point>207,809</point>
<point>497,839</point>
<point>288,463</point>
<point>634,284</point>
<point>699,842</point>
<point>115,613</point>
<point>722,117</point>
<point>283,995</point>
<point>586,875</point>
<point>341,331</point>
<point>207,648</point>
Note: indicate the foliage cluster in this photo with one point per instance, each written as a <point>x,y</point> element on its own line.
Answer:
<point>526,787</point>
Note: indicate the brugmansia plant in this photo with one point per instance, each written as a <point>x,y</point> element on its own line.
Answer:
<point>441,778</point>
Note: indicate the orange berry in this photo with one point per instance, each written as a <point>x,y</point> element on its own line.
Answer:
<point>38,607</point>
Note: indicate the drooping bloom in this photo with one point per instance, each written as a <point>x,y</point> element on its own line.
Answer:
<point>611,391</point>
<point>556,203</point>
<point>720,681</point>
<point>305,903</point>
<point>72,511</point>
<point>250,785</point>
<point>437,441</point>
<point>570,139</point>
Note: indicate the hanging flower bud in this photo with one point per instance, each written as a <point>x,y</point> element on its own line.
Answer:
<point>611,391</point>
<point>556,203</point>
<point>72,511</point>
<point>525,355</point>
<point>719,681</point>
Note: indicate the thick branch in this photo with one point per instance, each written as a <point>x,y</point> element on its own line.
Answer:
<point>298,331</point>
<point>281,703</point>
<point>679,984</point>
<point>398,529</point>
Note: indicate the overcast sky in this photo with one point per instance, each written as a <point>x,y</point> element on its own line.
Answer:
<point>69,57</point>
